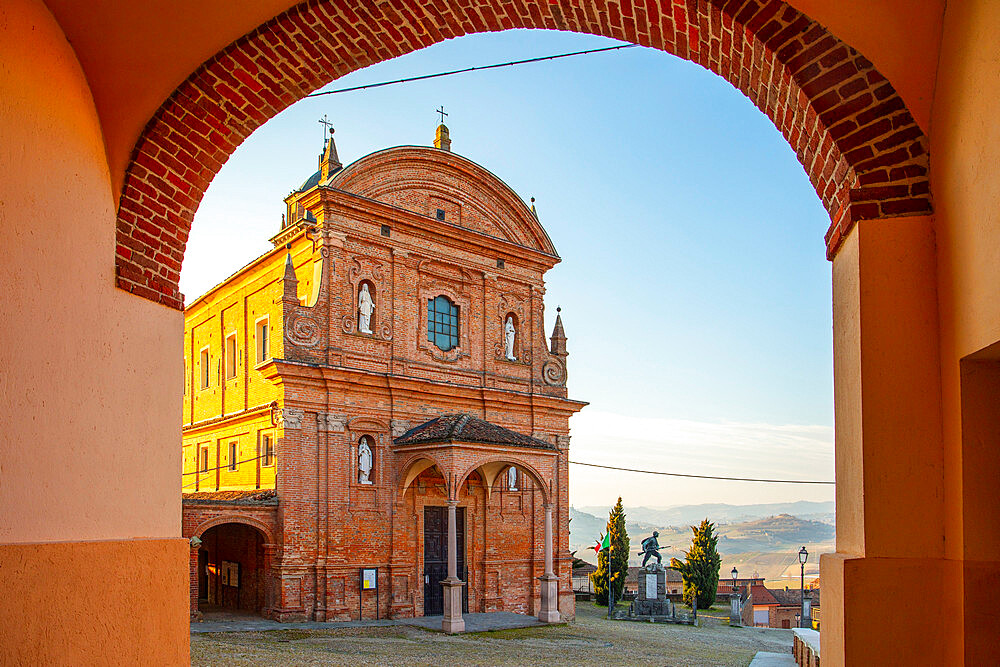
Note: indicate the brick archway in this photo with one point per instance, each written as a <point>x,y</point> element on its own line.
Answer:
<point>507,461</point>
<point>864,153</point>
<point>261,527</point>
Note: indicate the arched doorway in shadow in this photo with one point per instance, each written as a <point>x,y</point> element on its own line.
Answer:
<point>232,571</point>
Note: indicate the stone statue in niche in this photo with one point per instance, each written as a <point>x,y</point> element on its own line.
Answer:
<point>512,478</point>
<point>509,333</point>
<point>366,307</point>
<point>364,462</point>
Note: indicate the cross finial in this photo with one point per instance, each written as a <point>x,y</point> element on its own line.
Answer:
<point>327,124</point>
<point>441,111</point>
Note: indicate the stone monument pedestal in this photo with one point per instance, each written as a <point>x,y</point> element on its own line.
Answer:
<point>549,612</point>
<point>453,621</point>
<point>652,598</point>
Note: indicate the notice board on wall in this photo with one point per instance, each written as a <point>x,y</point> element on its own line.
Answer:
<point>230,573</point>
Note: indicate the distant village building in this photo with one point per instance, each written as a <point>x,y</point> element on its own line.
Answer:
<point>377,382</point>
<point>782,608</point>
<point>725,586</point>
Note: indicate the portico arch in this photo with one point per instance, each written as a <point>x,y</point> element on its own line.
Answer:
<point>864,153</point>
<point>412,469</point>
<point>490,468</point>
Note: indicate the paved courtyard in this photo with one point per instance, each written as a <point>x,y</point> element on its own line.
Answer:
<point>589,640</point>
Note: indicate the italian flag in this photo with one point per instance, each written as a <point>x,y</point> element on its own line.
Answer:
<point>603,544</point>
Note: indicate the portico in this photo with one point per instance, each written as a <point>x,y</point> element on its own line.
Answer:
<point>461,447</point>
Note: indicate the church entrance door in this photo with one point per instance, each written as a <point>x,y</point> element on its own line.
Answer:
<point>436,557</point>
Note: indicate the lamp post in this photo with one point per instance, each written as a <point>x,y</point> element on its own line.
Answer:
<point>734,602</point>
<point>803,557</point>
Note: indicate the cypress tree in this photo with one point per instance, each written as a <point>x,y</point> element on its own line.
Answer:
<point>700,569</point>
<point>619,558</point>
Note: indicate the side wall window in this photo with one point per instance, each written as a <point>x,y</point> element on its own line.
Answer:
<point>266,450</point>
<point>204,368</point>
<point>262,339</point>
<point>442,323</point>
<point>231,356</point>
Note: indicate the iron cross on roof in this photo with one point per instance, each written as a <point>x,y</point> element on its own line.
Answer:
<point>327,124</point>
<point>441,111</point>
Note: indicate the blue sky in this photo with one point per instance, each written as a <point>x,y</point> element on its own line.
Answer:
<point>694,288</point>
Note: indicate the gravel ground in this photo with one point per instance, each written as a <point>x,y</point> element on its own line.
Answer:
<point>589,640</point>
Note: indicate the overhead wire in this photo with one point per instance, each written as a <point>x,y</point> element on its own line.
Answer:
<point>511,63</point>
<point>719,477</point>
<point>465,70</point>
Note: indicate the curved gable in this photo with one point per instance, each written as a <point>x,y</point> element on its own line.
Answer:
<point>423,180</point>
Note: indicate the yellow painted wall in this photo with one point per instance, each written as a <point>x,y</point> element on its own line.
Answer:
<point>246,433</point>
<point>218,415</point>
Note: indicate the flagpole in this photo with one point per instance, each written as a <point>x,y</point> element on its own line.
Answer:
<point>611,592</point>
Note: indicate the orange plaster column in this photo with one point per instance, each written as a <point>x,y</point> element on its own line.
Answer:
<point>891,597</point>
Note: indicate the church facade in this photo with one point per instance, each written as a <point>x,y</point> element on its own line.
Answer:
<point>375,424</point>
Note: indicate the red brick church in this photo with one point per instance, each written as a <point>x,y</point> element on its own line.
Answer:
<point>374,422</point>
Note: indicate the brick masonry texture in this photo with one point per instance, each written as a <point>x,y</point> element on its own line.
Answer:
<point>861,148</point>
<point>326,385</point>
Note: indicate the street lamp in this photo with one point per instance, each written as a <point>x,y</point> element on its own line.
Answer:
<point>735,605</point>
<point>803,557</point>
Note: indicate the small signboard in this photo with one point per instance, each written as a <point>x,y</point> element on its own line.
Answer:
<point>369,578</point>
<point>230,572</point>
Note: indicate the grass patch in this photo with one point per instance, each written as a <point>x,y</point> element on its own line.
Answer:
<point>515,633</point>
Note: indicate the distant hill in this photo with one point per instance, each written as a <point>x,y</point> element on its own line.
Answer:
<point>767,544</point>
<point>684,515</point>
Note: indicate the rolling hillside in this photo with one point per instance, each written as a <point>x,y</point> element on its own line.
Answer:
<point>767,545</point>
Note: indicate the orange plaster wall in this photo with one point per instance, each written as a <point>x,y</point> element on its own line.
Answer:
<point>965,177</point>
<point>95,603</point>
<point>90,377</point>
<point>887,618</point>
<point>847,400</point>
<point>966,172</point>
<point>888,454</point>
<point>135,53</point>
<point>900,374</point>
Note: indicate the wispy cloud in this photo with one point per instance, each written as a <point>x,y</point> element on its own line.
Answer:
<point>785,451</point>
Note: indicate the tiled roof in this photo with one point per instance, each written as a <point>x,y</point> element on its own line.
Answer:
<point>466,428</point>
<point>792,597</point>
<point>249,497</point>
<point>762,596</point>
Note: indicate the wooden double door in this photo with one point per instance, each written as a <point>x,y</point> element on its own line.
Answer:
<point>436,558</point>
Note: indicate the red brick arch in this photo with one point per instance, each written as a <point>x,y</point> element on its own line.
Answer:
<point>506,459</point>
<point>864,154</point>
<point>261,527</point>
